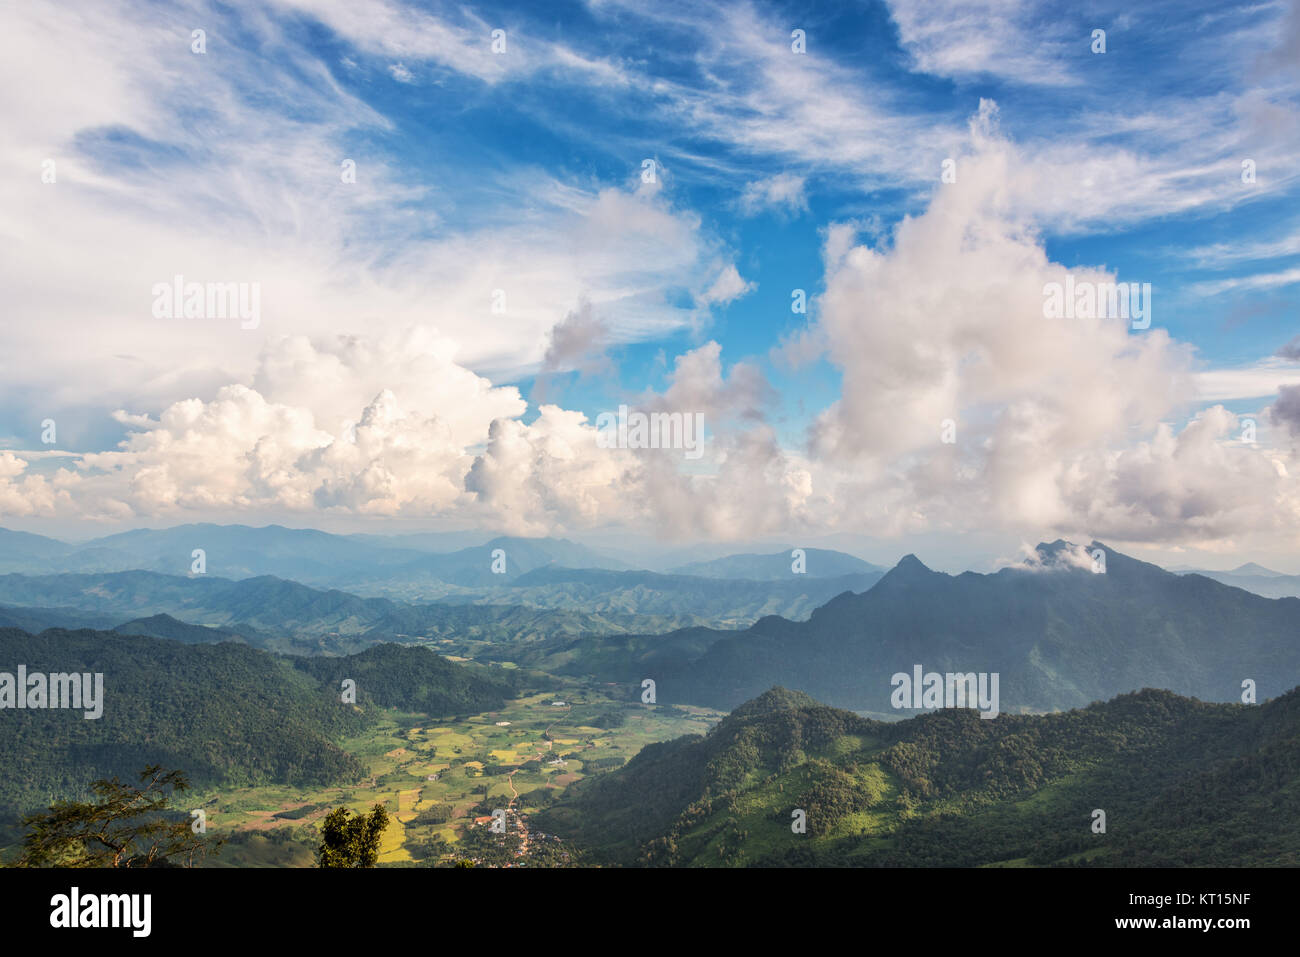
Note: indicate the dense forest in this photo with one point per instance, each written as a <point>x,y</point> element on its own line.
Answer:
<point>1181,783</point>
<point>227,713</point>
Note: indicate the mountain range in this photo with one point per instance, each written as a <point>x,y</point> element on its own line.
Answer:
<point>1255,578</point>
<point>1146,779</point>
<point>542,573</point>
<point>1057,634</point>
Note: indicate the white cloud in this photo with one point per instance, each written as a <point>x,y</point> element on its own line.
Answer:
<point>1061,424</point>
<point>254,194</point>
<point>783,192</point>
<point>1270,280</point>
<point>1245,382</point>
<point>727,287</point>
<point>974,38</point>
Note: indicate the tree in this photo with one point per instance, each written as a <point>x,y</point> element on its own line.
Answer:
<point>349,840</point>
<point>130,826</point>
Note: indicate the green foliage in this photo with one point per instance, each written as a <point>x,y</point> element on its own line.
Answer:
<point>232,715</point>
<point>128,826</point>
<point>1183,783</point>
<point>351,840</point>
<point>229,714</point>
<point>414,679</point>
<point>438,814</point>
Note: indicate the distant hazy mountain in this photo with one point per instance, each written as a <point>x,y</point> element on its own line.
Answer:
<point>724,603</point>
<point>231,551</point>
<point>25,547</point>
<point>263,602</point>
<point>1058,635</point>
<point>1251,568</point>
<point>36,619</point>
<point>300,554</point>
<point>1183,783</point>
<point>547,573</point>
<point>283,615</point>
<point>473,568</point>
<point>819,563</point>
<point>1257,579</point>
<point>440,542</point>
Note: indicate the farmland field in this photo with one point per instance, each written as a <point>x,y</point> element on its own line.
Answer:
<point>435,778</point>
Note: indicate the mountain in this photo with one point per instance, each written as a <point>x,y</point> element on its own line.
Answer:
<point>37,619</point>
<point>301,554</point>
<point>237,551</point>
<point>551,573</point>
<point>424,541</point>
<point>1057,635</point>
<point>1258,580</point>
<point>225,713</point>
<point>264,603</point>
<point>1251,568</point>
<point>492,565</point>
<point>1181,782</point>
<point>725,603</point>
<point>415,679</point>
<point>287,616</point>
<point>819,563</point>
<point>165,626</point>
<point>28,546</point>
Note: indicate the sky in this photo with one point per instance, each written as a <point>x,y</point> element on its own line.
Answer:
<point>464,233</point>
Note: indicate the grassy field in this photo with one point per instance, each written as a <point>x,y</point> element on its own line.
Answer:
<point>519,758</point>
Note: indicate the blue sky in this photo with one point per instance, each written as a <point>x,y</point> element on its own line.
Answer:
<point>379,388</point>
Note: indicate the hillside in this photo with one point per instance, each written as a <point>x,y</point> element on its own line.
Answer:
<point>1182,783</point>
<point>226,713</point>
<point>165,626</point>
<point>415,679</point>
<point>776,566</point>
<point>1058,635</point>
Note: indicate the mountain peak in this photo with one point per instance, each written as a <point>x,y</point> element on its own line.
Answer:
<point>909,565</point>
<point>775,699</point>
<point>1252,568</point>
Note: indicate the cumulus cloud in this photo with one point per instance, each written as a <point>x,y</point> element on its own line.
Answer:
<point>1058,423</point>
<point>553,474</point>
<point>697,384</point>
<point>1286,410</point>
<point>939,327</point>
<point>369,426</point>
<point>727,287</point>
<point>578,342</point>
